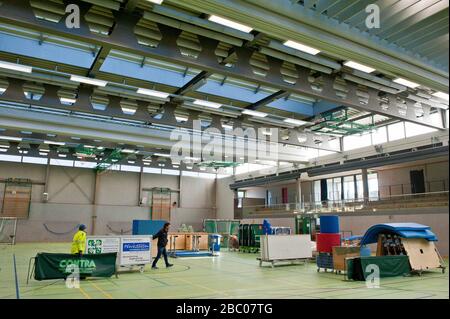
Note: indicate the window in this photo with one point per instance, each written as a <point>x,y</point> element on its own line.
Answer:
<point>317,198</point>
<point>349,188</point>
<point>379,136</point>
<point>359,187</point>
<point>241,196</point>
<point>413,129</point>
<point>372,180</point>
<point>356,141</point>
<point>396,131</point>
<point>268,198</point>
<point>330,189</point>
<point>337,190</point>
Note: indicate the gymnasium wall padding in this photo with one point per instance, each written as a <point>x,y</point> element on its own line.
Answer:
<point>329,224</point>
<point>326,242</point>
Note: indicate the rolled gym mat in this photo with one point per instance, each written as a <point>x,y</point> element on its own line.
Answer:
<point>329,224</point>
<point>326,242</point>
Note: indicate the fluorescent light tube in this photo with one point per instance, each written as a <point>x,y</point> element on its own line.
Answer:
<point>441,95</point>
<point>83,79</point>
<point>254,113</point>
<point>301,47</point>
<point>67,100</point>
<point>227,126</point>
<point>10,138</point>
<point>181,118</point>
<point>295,122</point>
<point>156,1</point>
<point>192,158</point>
<point>161,95</point>
<point>208,104</point>
<point>54,143</point>
<point>267,132</point>
<point>359,67</point>
<point>406,83</point>
<point>15,67</point>
<point>128,151</point>
<point>161,155</point>
<point>230,24</point>
<point>128,110</point>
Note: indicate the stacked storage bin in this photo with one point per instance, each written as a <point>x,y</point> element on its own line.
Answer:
<point>328,237</point>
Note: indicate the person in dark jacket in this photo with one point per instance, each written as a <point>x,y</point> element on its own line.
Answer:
<point>162,242</point>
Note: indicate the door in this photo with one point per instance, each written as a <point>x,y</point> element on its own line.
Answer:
<point>417,181</point>
<point>284,195</point>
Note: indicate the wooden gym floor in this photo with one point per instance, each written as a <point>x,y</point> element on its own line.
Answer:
<point>232,275</point>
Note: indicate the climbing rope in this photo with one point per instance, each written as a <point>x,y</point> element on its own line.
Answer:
<point>60,234</point>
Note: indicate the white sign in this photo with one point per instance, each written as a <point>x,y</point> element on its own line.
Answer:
<point>135,250</point>
<point>102,245</point>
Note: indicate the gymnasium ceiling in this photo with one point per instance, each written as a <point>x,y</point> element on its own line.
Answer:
<point>412,43</point>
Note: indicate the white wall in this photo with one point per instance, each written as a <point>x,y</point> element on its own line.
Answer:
<point>225,198</point>
<point>71,195</point>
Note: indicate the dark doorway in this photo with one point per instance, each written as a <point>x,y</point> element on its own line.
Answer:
<point>417,181</point>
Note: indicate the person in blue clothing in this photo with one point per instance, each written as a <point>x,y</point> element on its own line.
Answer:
<point>162,242</point>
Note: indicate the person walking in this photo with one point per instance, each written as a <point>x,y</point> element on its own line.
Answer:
<point>162,242</point>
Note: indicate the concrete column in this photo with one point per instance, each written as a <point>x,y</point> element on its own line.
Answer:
<point>365,184</point>
<point>179,189</point>
<point>299,193</point>
<point>94,202</point>
<point>141,179</point>
<point>45,195</point>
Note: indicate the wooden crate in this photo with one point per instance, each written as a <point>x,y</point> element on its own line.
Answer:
<point>340,253</point>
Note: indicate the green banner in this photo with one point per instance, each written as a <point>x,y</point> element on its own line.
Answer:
<point>59,266</point>
<point>389,266</point>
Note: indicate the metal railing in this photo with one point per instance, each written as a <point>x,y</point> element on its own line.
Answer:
<point>350,205</point>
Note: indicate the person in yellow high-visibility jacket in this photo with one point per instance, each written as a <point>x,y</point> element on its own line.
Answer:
<point>79,241</point>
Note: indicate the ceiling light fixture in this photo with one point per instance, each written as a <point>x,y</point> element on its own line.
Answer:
<point>407,83</point>
<point>161,95</point>
<point>254,113</point>
<point>360,67</point>
<point>230,24</point>
<point>86,80</point>
<point>227,126</point>
<point>295,122</point>
<point>15,67</point>
<point>208,104</point>
<point>10,138</point>
<point>128,110</point>
<point>54,143</point>
<point>156,1</point>
<point>301,47</point>
<point>441,95</point>
<point>67,100</point>
<point>161,155</point>
<point>128,151</point>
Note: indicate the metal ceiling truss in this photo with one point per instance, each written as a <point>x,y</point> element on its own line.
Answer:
<point>32,146</point>
<point>15,93</point>
<point>123,38</point>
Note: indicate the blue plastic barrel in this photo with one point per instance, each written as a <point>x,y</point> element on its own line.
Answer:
<point>215,242</point>
<point>365,251</point>
<point>329,224</point>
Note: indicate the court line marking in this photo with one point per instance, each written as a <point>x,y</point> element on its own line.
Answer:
<point>86,295</point>
<point>107,295</point>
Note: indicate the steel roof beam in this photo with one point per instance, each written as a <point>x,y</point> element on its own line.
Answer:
<point>19,12</point>
<point>267,100</point>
